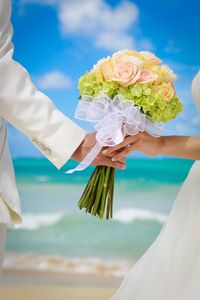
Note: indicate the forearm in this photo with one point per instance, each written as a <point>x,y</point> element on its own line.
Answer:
<point>181,146</point>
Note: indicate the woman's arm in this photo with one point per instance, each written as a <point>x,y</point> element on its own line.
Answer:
<point>181,146</point>
<point>177,146</point>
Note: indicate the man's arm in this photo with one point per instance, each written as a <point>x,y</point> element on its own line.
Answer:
<point>29,110</point>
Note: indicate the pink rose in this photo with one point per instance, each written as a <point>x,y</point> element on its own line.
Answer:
<point>147,76</point>
<point>126,73</point>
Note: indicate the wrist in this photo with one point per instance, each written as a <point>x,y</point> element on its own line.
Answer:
<point>77,153</point>
<point>162,145</point>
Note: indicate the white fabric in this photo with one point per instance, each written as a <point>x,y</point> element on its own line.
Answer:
<point>33,113</point>
<point>170,268</point>
<point>3,231</point>
<point>196,90</point>
<point>114,119</point>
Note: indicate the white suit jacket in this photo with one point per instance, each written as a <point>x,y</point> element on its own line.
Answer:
<point>33,113</point>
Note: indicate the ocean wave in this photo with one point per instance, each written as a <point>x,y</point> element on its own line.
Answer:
<point>129,215</point>
<point>42,178</point>
<point>126,215</point>
<point>35,221</point>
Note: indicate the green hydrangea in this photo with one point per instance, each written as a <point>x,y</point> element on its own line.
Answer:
<point>143,95</point>
<point>90,85</point>
<point>152,103</point>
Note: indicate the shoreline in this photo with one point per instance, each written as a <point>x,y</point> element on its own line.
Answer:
<point>66,266</point>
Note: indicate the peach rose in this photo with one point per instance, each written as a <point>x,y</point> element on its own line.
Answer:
<point>166,91</point>
<point>107,70</point>
<point>100,62</point>
<point>147,76</point>
<point>156,69</point>
<point>126,73</point>
<point>167,73</point>
<point>150,58</point>
<point>128,55</point>
<point>104,69</point>
<point>126,52</point>
<point>164,74</point>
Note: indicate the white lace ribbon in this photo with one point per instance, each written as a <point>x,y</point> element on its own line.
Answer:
<point>114,119</point>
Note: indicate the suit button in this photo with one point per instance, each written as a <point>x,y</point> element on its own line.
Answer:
<point>35,141</point>
<point>47,151</point>
<point>42,147</point>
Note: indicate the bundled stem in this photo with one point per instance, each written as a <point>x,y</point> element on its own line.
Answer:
<point>98,194</point>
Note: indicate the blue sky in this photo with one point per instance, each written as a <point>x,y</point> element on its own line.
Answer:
<point>58,40</point>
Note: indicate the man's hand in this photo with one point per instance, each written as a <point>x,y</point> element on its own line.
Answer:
<point>101,160</point>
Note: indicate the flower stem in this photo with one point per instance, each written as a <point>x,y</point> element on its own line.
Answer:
<point>98,193</point>
<point>105,190</point>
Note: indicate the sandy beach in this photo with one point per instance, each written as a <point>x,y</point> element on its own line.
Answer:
<point>26,283</point>
<point>54,292</point>
<point>31,285</point>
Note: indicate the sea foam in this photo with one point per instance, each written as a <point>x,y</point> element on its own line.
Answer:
<point>129,215</point>
<point>35,221</point>
<point>124,215</point>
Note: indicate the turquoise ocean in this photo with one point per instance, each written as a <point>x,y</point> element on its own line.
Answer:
<point>55,227</point>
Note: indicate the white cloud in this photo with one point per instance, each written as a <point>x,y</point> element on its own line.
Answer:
<point>172,47</point>
<point>113,41</point>
<point>108,26</point>
<point>76,17</point>
<point>53,80</point>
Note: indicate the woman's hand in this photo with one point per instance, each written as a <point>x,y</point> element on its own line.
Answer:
<point>177,146</point>
<point>142,142</point>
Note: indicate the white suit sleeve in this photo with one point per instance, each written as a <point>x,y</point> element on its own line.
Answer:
<point>29,110</point>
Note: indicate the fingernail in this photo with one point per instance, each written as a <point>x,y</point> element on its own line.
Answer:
<point>105,151</point>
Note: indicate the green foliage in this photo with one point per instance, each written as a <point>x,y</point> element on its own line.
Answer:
<point>149,99</point>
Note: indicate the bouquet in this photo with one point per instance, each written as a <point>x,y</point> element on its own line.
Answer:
<point>122,95</point>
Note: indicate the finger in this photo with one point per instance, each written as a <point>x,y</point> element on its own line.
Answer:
<point>123,160</point>
<point>114,153</point>
<point>121,154</point>
<point>108,162</point>
<point>116,165</point>
<point>111,155</point>
<point>112,164</point>
<point>100,156</point>
<point>128,140</point>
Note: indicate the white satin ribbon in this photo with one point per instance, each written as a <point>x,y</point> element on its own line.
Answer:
<point>114,118</point>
